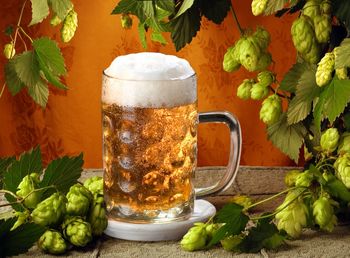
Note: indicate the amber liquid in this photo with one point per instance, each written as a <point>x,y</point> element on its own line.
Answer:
<point>149,160</point>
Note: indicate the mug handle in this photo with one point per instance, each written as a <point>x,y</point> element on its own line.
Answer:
<point>235,151</point>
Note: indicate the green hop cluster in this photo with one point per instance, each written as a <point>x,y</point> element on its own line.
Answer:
<point>326,6</point>
<point>342,169</point>
<point>52,242</point>
<point>249,51</point>
<point>291,177</point>
<point>79,199</point>
<point>342,73</point>
<point>329,140</point>
<point>243,90</point>
<point>55,20</point>
<point>126,21</point>
<point>211,229</point>
<point>230,243</point>
<point>25,190</point>
<point>312,9</point>
<point>271,109</point>
<point>97,216</point>
<point>69,27</point>
<point>259,7</point>
<point>344,144</point>
<point>293,214</point>
<point>50,211</point>
<point>323,213</point>
<point>195,238</point>
<point>325,69</point>
<point>266,78</point>
<point>323,28</point>
<point>259,91</point>
<point>304,39</point>
<point>22,218</point>
<point>77,231</point>
<point>304,179</point>
<point>94,185</point>
<point>242,200</point>
<point>9,50</point>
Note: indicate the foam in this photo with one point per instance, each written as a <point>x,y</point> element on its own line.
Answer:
<point>149,80</point>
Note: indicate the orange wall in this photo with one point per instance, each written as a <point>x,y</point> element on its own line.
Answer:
<point>71,122</point>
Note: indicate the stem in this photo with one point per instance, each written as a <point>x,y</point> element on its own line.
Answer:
<point>18,25</point>
<point>2,89</point>
<point>37,190</point>
<point>25,34</point>
<point>272,197</point>
<point>8,204</point>
<point>278,94</point>
<point>9,192</point>
<point>24,43</point>
<point>236,20</point>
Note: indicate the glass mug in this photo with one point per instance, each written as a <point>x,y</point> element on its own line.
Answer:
<point>150,149</point>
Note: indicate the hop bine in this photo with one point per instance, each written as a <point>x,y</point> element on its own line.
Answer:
<point>52,242</point>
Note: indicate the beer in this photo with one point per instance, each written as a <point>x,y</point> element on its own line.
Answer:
<point>149,158</point>
<point>149,113</point>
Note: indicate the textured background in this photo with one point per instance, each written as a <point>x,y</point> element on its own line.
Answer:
<point>71,122</point>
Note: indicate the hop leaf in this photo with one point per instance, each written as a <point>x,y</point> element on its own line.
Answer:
<point>271,109</point>
<point>52,242</point>
<point>329,140</point>
<point>325,69</point>
<point>231,243</point>
<point>69,27</point>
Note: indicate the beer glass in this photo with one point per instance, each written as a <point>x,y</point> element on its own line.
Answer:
<point>150,148</point>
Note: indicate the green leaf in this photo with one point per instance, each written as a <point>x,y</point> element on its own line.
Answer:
<point>235,222</point>
<point>264,234</point>
<point>19,240</point>
<point>186,4</point>
<point>13,82</point>
<point>27,68</point>
<point>142,34</point>
<point>318,111</point>
<point>274,6</point>
<point>342,54</point>
<point>29,162</point>
<point>9,30</point>
<point>158,37</point>
<point>288,138</point>
<point>62,173</point>
<point>215,12</point>
<point>347,121</point>
<point>4,164</point>
<point>167,5</point>
<point>185,27</point>
<point>148,8</point>
<point>307,90</point>
<point>134,7</point>
<point>50,55</point>
<point>291,78</point>
<point>39,93</point>
<point>61,7</point>
<point>334,99</point>
<point>40,10</point>
<point>341,9</point>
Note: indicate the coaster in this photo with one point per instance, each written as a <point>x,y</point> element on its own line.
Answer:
<point>203,210</point>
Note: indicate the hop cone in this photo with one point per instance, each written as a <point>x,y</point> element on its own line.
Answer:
<point>258,91</point>
<point>230,63</point>
<point>259,7</point>
<point>324,213</point>
<point>344,144</point>
<point>263,37</point>
<point>97,216</point>
<point>264,61</point>
<point>9,51</point>
<point>312,9</point>
<point>126,21</point>
<point>195,238</point>
<point>291,177</point>
<point>304,179</point>
<point>329,140</point>
<point>342,73</point>
<point>69,27</point>
<point>22,218</point>
<point>50,211</point>
<point>79,199</point>
<point>55,20</point>
<point>342,169</point>
<point>266,78</point>
<point>77,231</point>
<point>242,200</point>
<point>243,90</point>
<point>249,53</point>
<point>230,243</point>
<point>94,185</point>
<point>323,28</point>
<point>26,186</point>
<point>326,7</point>
<point>304,39</point>
<point>325,69</point>
<point>52,242</point>
<point>212,228</point>
<point>271,109</point>
<point>294,217</point>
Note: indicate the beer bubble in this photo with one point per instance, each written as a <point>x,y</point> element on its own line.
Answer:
<point>125,162</point>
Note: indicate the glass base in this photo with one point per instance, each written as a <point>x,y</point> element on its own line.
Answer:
<point>178,213</point>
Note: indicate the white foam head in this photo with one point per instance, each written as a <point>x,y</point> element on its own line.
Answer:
<point>149,80</point>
